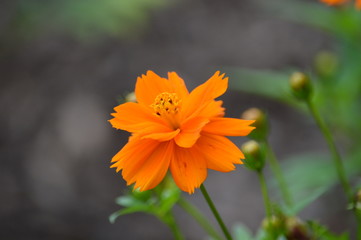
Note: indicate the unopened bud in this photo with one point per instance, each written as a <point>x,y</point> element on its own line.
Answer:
<point>130,97</point>
<point>261,123</point>
<point>273,224</point>
<point>254,155</point>
<point>300,85</point>
<point>326,63</point>
<point>295,229</point>
<point>357,201</point>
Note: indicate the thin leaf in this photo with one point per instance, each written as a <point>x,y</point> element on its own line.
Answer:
<point>241,232</point>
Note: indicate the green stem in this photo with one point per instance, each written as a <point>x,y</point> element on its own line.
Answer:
<point>199,217</point>
<point>277,171</point>
<point>215,213</point>
<point>170,221</point>
<point>331,144</point>
<point>265,195</point>
<point>358,216</point>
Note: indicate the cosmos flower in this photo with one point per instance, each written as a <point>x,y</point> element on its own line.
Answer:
<point>175,130</point>
<point>339,2</point>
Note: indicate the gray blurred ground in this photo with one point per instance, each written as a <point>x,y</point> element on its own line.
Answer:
<point>56,94</point>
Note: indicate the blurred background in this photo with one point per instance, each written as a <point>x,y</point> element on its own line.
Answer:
<point>65,64</point>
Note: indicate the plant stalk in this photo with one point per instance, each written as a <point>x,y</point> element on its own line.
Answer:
<point>265,195</point>
<point>215,213</point>
<point>277,171</point>
<point>199,217</point>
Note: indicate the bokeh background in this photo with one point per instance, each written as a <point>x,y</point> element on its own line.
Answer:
<point>65,64</point>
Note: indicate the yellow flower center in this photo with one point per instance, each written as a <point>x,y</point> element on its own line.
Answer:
<point>166,103</point>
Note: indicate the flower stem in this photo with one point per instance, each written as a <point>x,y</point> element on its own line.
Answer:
<point>170,221</point>
<point>331,144</point>
<point>199,217</point>
<point>265,195</point>
<point>337,161</point>
<point>215,213</point>
<point>277,171</point>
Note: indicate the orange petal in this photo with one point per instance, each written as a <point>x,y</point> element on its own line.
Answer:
<point>229,127</point>
<point>149,86</point>
<point>144,162</point>
<point>190,132</point>
<point>220,153</point>
<point>154,168</point>
<point>334,2</point>
<point>177,85</point>
<point>204,93</point>
<point>358,4</point>
<point>189,169</point>
<point>134,117</point>
<point>133,155</point>
<point>212,109</point>
<point>166,136</point>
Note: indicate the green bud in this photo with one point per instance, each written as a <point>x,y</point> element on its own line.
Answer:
<point>326,63</point>
<point>261,123</point>
<point>130,97</point>
<point>357,201</point>
<point>296,229</point>
<point>300,85</point>
<point>274,226</point>
<point>254,155</point>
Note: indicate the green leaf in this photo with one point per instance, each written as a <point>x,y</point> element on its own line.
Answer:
<point>265,83</point>
<point>133,209</point>
<point>321,232</point>
<point>301,204</point>
<point>241,232</point>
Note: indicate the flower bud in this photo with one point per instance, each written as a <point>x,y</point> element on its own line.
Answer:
<point>261,123</point>
<point>274,226</point>
<point>357,201</point>
<point>300,85</point>
<point>130,97</point>
<point>326,63</point>
<point>254,155</point>
<point>295,229</point>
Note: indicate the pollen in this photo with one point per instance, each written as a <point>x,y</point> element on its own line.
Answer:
<point>166,103</point>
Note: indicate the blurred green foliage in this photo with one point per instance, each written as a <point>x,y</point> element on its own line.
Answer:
<point>85,19</point>
<point>336,79</point>
<point>158,202</point>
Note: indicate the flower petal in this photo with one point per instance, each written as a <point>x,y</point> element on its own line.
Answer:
<point>154,168</point>
<point>229,127</point>
<point>137,118</point>
<point>166,136</point>
<point>220,153</point>
<point>190,132</point>
<point>203,94</point>
<point>144,162</point>
<point>212,109</point>
<point>149,86</point>
<point>177,85</point>
<point>189,168</point>
<point>132,155</point>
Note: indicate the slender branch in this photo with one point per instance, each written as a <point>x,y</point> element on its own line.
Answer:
<point>331,144</point>
<point>199,217</point>
<point>170,221</point>
<point>265,195</point>
<point>277,171</point>
<point>215,213</point>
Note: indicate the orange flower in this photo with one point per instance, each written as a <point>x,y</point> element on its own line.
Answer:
<point>334,2</point>
<point>358,4</point>
<point>177,130</point>
<point>339,2</point>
